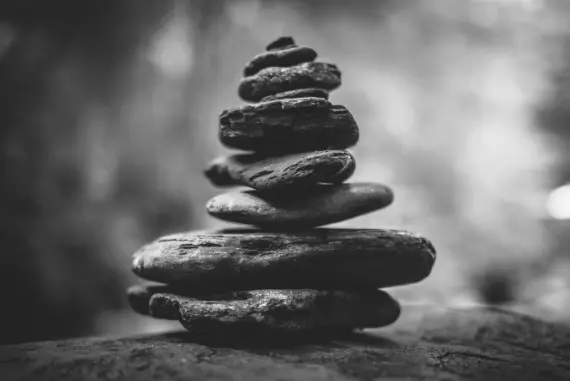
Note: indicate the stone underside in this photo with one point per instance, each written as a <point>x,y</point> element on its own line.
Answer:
<point>359,259</point>
<point>301,93</point>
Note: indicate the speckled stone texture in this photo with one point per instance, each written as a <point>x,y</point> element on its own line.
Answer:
<point>268,310</point>
<point>302,93</point>
<point>357,259</point>
<point>288,125</point>
<point>280,58</point>
<point>321,205</point>
<point>273,80</point>
<point>426,343</point>
<point>282,173</point>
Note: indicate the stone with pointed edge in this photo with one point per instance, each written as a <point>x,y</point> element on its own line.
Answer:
<point>282,173</point>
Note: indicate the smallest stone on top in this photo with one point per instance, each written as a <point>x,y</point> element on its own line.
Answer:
<point>286,70</point>
<point>280,53</point>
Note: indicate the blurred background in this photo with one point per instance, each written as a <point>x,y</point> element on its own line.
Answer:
<point>108,115</point>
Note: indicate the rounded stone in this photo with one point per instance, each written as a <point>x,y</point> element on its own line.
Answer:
<point>280,58</point>
<point>302,93</point>
<point>287,126</point>
<point>270,310</point>
<point>281,43</point>
<point>273,80</point>
<point>207,261</point>
<point>282,173</point>
<point>320,205</point>
<point>140,295</point>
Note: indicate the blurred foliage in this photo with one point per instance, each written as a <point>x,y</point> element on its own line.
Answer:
<point>108,113</point>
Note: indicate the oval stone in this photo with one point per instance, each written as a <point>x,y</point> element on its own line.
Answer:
<point>318,258</point>
<point>268,310</point>
<point>302,93</point>
<point>277,174</point>
<point>280,58</point>
<point>287,126</point>
<point>322,205</point>
<point>273,80</point>
<point>281,43</point>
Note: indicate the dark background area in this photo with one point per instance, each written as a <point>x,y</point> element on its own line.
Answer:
<point>108,114</point>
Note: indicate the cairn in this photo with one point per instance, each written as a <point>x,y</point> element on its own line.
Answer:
<point>286,275</point>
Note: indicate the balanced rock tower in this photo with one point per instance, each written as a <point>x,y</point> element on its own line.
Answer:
<point>284,274</point>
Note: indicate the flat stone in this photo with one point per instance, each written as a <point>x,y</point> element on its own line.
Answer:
<point>280,58</point>
<point>302,93</point>
<point>281,43</point>
<point>288,125</point>
<point>274,174</point>
<point>269,310</point>
<point>273,80</point>
<point>317,258</point>
<point>322,205</point>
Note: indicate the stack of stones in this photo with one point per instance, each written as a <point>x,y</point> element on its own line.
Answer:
<point>285,275</point>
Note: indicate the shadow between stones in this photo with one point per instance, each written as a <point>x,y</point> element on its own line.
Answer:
<point>265,340</point>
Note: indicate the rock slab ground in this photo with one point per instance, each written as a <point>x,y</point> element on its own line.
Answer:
<point>426,343</point>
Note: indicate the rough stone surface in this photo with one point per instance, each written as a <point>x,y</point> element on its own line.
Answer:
<point>318,258</point>
<point>268,311</point>
<point>288,125</point>
<point>426,343</point>
<point>281,43</point>
<point>273,174</point>
<point>302,93</point>
<point>273,80</point>
<point>320,205</point>
<point>280,58</point>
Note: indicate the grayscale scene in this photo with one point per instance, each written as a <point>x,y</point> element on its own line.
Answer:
<point>285,190</point>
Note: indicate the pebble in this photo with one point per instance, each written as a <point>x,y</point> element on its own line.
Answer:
<point>302,93</point>
<point>242,259</point>
<point>321,205</point>
<point>281,43</point>
<point>273,80</point>
<point>274,174</point>
<point>269,310</point>
<point>288,126</point>
<point>280,58</point>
